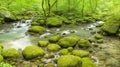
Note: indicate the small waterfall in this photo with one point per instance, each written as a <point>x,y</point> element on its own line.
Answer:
<point>16,37</point>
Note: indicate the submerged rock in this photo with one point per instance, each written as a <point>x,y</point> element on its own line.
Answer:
<point>31,52</point>
<point>80,53</point>
<point>37,29</point>
<point>10,53</point>
<point>53,22</point>
<point>69,61</point>
<point>87,62</point>
<point>68,41</point>
<point>53,47</point>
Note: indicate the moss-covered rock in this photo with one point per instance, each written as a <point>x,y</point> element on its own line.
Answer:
<point>72,31</point>
<point>1,58</point>
<point>84,43</point>
<point>1,48</point>
<point>68,41</point>
<point>98,36</point>
<point>53,22</point>
<point>54,39</point>
<point>69,61</point>
<point>31,52</point>
<point>87,62</point>
<point>111,26</point>
<point>64,52</point>
<point>2,64</point>
<point>37,29</point>
<point>34,24</point>
<point>53,47</point>
<point>41,65</point>
<point>80,53</point>
<point>49,65</point>
<point>70,49</point>
<point>43,43</point>
<point>10,53</point>
<point>100,41</point>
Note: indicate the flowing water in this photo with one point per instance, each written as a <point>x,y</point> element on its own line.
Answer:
<point>13,35</point>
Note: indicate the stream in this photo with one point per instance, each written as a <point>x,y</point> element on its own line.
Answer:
<point>13,35</point>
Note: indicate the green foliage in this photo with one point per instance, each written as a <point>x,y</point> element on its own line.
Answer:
<point>68,8</point>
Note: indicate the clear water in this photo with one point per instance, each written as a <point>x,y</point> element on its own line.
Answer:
<point>107,55</point>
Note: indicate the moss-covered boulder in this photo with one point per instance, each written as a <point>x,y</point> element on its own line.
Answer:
<point>1,58</point>
<point>98,36</point>
<point>100,41</point>
<point>43,43</point>
<point>31,52</point>
<point>64,52</point>
<point>53,22</point>
<point>54,39</point>
<point>87,62</point>
<point>53,47</point>
<point>37,29</point>
<point>111,26</point>
<point>80,53</point>
<point>34,23</point>
<point>84,43</point>
<point>69,61</point>
<point>10,53</point>
<point>68,41</point>
<point>1,48</point>
<point>50,65</point>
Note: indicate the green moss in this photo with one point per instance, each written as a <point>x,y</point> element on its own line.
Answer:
<point>68,41</point>
<point>100,41</point>
<point>41,65</point>
<point>69,61</point>
<point>54,39</point>
<point>37,29</point>
<point>49,65</point>
<point>84,43</point>
<point>80,53</point>
<point>53,47</point>
<point>1,58</point>
<point>31,52</point>
<point>98,36</point>
<point>10,53</point>
<point>118,35</point>
<point>34,24</point>
<point>64,52</point>
<point>1,48</point>
<point>5,65</point>
<point>111,26</point>
<point>43,43</point>
<point>53,22</point>
<point>87,62</point>
<point>72,31</point>
<point>70,49</point>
